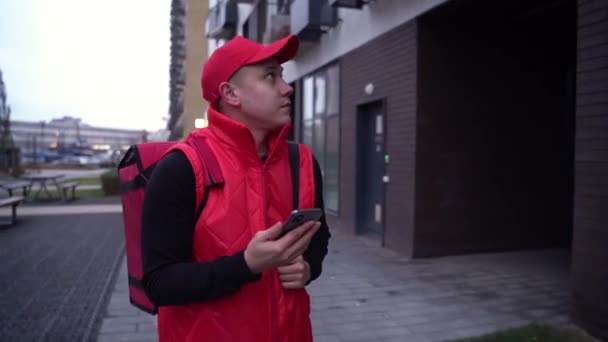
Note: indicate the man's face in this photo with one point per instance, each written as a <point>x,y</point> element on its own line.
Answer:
<point>263,95</point>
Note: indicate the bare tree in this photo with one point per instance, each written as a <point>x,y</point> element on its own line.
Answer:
<point>9,154</point>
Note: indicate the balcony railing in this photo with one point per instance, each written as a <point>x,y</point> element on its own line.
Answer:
<point>222,20</point>
<point>311,18</point>
<point>348,3</point>
<point>268,21</point>
<point>279,27</point>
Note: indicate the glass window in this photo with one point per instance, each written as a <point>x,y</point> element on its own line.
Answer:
<point>331,179</point>
<point>320,94</point>
<point>318,145</point>
<point>321,128</point>
<point>309,99</point>
<point>333,90</point>
<point>307,133</point>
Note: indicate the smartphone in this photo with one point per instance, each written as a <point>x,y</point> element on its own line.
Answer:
<point>300,216</point>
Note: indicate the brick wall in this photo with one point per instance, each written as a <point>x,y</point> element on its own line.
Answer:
<point>389,62</point>
<point>590,244</point>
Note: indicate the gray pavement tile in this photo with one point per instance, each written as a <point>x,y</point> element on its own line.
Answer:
<point>122,312</point>
<point>131,319</point>
<point>351,326</point>
<point>129,337</point>
<point>117,327</point>
<point>56,275</point>
<point>408,338</point>
<point>440,336</point>
<point>147,327</point>
<point>412,320</point>
<point>358,336</point>
<point>393,332</point>
<point>327,338</point>
<point>366,295</point>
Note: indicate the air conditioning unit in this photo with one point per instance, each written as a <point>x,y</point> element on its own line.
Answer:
<point>222,20</point>
<point>347,3</point>
<point>279,27</point>
<point>311,18</point>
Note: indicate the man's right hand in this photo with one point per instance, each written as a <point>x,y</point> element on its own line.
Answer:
<point>265,252</point>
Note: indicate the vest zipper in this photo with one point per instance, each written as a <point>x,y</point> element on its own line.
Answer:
<point>271,294</point>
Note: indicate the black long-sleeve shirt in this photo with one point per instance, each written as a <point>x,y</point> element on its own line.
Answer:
<point>171,277</point>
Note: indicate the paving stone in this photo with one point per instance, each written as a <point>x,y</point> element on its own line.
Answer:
<point>409,338</point>
<point>117,327</point>
<point>366,295</point>
<point>327,338</point>
<point>147,327</point>
<point>356,336</point>
<point>130,337</point>
<point>391,332</point>
<point>56,275</point>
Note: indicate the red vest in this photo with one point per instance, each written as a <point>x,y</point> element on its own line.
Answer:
<point>255,196</point>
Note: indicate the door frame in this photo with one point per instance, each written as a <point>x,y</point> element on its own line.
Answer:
<point>359,112</point>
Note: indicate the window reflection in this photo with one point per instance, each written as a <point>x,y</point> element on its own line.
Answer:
<point>309,99</point>
<point>321,128</point>
<point>320,94</point>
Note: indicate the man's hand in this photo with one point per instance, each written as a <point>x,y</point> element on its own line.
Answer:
<point>264,252</point>
<point>295,275</point>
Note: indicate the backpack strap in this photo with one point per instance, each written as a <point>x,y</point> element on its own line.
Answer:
<point>214,176</point>
<point>294,163</point>
<point>213,172</point>
<point>137,164</point>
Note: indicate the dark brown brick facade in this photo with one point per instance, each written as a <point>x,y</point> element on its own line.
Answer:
<point>389,62</point>
<point>590,244</point>
<point>497,132</point>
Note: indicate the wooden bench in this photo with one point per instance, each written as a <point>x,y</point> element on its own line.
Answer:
<point>65,187</point>
<point>13,201</point>
<point>15,185</point>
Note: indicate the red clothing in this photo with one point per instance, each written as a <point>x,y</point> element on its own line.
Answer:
<point>255,196</point>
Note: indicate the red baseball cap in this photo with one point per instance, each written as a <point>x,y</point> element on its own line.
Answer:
<point>236,53</point>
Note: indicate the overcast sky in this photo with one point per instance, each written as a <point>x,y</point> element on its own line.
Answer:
<point>106,62</point>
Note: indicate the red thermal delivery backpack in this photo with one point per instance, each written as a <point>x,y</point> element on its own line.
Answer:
<point>134,170</point>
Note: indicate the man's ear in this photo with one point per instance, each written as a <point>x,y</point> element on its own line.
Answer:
<point>229,94</point>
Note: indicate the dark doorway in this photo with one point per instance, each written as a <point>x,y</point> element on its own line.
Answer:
<point>370,168</point>
<point>495,138</point>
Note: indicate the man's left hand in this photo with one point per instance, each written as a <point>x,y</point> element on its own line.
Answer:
<point>295,275</point>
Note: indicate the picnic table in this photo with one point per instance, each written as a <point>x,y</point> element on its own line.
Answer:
<point>43,181</point>
<point>11,185</point>
<point>12,201</point>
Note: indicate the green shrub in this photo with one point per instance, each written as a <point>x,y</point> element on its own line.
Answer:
<point>110,183</point>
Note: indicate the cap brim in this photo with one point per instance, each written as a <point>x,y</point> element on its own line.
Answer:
<point>283,50</point>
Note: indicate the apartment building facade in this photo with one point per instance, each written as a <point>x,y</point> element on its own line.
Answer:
<point>459,126</point>
<point>46,141</point>
<point>189,51</point>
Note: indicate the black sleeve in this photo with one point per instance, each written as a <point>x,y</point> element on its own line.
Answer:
<point>317,250</point>
<point>171,277</point>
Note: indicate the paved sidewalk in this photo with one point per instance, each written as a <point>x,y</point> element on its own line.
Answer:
<point>124,322</point>
<point>62,209</point>
<point>57,275</point>
<point>370,294</point>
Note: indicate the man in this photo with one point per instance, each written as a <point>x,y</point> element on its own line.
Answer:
<point>229,276</point>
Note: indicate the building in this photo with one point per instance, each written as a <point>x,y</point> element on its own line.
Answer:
<point>48,141</point>
<point>176,68</point>
<point>188,54</point>
<point>457,126</point>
